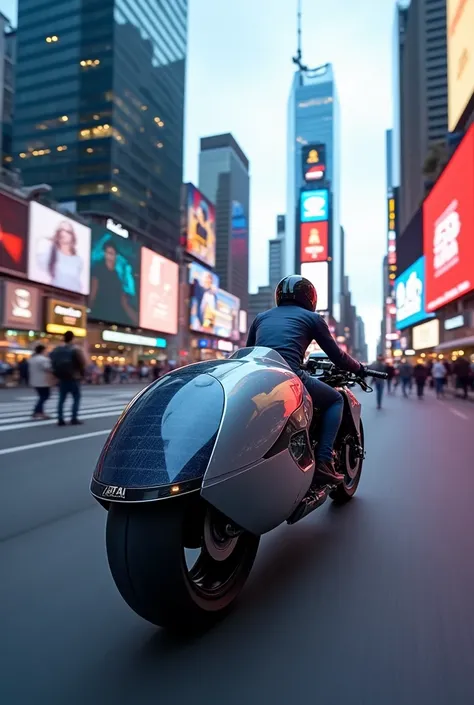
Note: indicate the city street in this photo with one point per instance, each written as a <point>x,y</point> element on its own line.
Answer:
<point>370,604</point>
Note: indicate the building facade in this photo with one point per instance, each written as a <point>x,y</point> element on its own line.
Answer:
<point>224,179</point>
<point>7,89</point>
<point>313,118</point>
<point>276,253</point>
<point>422,96</point>
<point>99,109</point>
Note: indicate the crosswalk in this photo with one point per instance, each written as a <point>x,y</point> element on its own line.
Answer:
<point>16,414</point>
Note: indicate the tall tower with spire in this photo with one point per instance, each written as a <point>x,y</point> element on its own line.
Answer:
<point>313,118</point>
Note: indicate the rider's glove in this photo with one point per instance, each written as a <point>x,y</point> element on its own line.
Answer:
<point>363,370</point>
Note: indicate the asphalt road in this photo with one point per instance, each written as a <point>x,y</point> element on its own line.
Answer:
<point>371,604</point>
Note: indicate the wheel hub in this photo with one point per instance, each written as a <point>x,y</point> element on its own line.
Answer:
<point>219,544</point>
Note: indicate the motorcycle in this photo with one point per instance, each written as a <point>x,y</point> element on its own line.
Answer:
<point>204,461</point>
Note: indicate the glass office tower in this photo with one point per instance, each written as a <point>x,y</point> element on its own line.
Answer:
<point>313,117</point>
<point>100,106</point>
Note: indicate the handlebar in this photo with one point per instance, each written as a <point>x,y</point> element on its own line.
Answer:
<point>344,375</point>
<point>376,374</point>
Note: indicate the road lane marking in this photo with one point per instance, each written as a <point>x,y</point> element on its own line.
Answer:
<point>51,422</point>
<point>55,441</point>
<point>25,415</point>
<point>459,413</point>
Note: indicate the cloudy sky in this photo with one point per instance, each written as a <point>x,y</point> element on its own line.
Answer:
<point>239,77</point>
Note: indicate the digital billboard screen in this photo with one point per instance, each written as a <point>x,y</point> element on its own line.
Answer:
<point>448,226</point>
<point>426,336</point>
<point>318,274</point>
<point>314,205</point>
<point>59,250</point>
<point>460,31</point>
<point>314,241</point>
<point>115,278</point>
<point>158,293</point>
<point>13,234</point>
<point>21,306</point>
<point>410,295</point>
<point>314,162</point>
<point>212,310</point>
<point>201,227</point>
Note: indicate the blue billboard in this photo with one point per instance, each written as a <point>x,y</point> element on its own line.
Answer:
<point>314,206</point>
<point>410,295</point>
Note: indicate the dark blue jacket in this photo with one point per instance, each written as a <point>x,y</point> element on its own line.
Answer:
<point>290,329</point>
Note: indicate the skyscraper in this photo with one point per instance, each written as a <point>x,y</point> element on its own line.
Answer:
<point>313,118</point>
<point>423,95</point>
<point>99,108</point>
<point>224,179</point>
<point>276,253</point>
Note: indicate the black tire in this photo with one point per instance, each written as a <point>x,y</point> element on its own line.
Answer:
<point>345,491</point>
<point>145,550</point>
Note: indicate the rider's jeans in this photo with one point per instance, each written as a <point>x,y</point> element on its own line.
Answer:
<point>331,404</point>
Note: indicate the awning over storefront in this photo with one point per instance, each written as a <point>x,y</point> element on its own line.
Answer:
<point>459,343</point>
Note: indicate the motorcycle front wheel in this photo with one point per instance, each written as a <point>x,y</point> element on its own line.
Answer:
<point>147,551</point>
<point>351,457</point>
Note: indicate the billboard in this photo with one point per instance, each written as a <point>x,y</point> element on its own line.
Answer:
<point>318,274</point>
<point>200,227</point>
<point>21,306</point>
<point>158,293</point>
<point>410,295</point>
<point>448,225</point>
<point>62,316</point>
<point>314,206</point>
<point>115,278</point>
<point>314,241</point>
<point>13,232</point>
<point>314,162</point>
<point>212,310</point>
<point>240,236</point>
<point>59,250</point>
<point>460,25</point>
<point>426,336</point>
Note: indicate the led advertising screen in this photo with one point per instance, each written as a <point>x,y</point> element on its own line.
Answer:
<point>13,232</point>
<point>213,310</point>
<point>318,274</point>
<point>21,306</point>
<point>115,278</point>
<point>314,206</point>
<point>448,227</point>
<point>201,227</point>
<point>410,295</point>
<point>314,241</point>
<point>63,316</point>
<point>426,336</point>
<point>314,162</point>
<point>460,25</point>
<point>158,293</point>
<point>240,237</point>
<point>59,250</point>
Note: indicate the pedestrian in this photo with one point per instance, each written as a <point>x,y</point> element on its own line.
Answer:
<point>462,371</point>
<point>439,374</point>
<point>420,374</point>
<point>107,373</point>
<point>69,368</point>
<point>406,376</point>
<point>379,366</point>
<point>39,370</point>
<point>23,372</point>
<point>390,379</point>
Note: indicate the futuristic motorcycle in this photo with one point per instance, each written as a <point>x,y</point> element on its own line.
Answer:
<point>203,462</point>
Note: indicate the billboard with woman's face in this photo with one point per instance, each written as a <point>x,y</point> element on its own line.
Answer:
<point>58,250</point>
<point>115,278</point>
<point>201,227</point>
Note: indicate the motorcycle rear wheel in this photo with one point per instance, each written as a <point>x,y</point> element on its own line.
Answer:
<point>351,467</point>
<point>146,554</point>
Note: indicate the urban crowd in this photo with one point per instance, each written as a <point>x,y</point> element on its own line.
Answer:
<point>67,368</point>
<point>440,374</point>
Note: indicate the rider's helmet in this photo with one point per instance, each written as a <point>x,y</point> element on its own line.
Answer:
<point>297,290</point>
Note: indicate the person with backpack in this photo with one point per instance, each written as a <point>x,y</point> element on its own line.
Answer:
<point>68,366</point>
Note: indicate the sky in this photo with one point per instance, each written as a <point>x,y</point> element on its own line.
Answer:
<point>238,80</point>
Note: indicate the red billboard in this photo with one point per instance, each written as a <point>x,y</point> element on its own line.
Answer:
<point>314,241</point>
<point>13,231</point>
<point>448,229</point>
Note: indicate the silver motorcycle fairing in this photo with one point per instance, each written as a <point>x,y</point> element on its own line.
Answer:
<point>261,393</point>
<point>352,408</point>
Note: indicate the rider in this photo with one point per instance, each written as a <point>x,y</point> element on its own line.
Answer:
<point>289,329</point>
